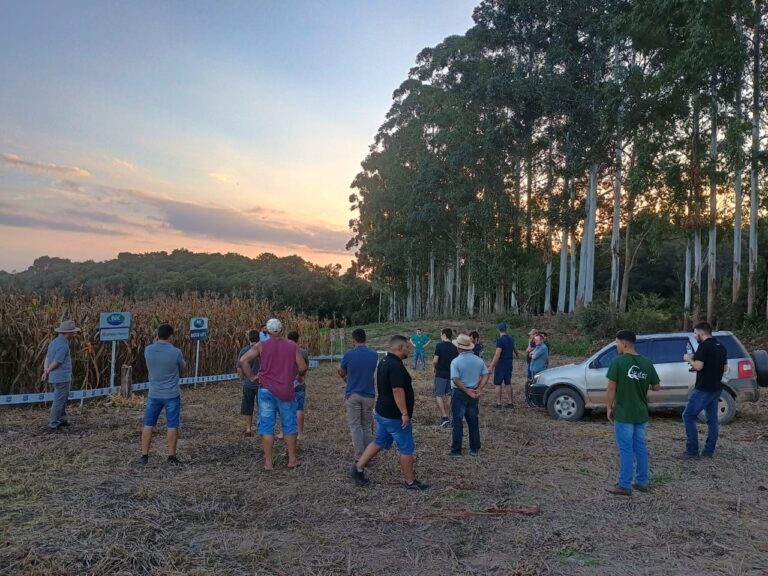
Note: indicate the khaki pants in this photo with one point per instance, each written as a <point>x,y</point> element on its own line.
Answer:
<point>360,421</point>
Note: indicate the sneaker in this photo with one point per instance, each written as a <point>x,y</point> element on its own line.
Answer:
<point>707,454</point>
<point>453,454</point>
<point>619,491</point>
<point>445,422</point>
<point>358,476</point>
<point>641,488</point>
<point>173,461</point>
<point>474,453</point>
<point>64,424</point>
<point>144,460</point>
<point>416,485</point>
<point>52,430</point>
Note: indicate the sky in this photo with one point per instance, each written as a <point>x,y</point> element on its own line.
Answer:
<point>216,126</point>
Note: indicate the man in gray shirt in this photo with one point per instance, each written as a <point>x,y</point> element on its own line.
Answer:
<point>57,371</point>
<point>164,363</point>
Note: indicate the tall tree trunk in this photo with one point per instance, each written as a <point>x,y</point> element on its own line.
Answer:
<point>687,297</point>
<point>431,304</point>
<point>457,297</point>
<point>499,307</point>
<point>754,166</point>
<point>696,198</point>
<point>516,212</point>
<point>712,252</point>
<point>738,170</point>
<point>470,292</point>
<point>563,276</point>
<point>529,197</point>
<point>572,278</point>
<point>548,279</point>
<point>590,234</point>
<point>627,258</point>
<point>616,230</point>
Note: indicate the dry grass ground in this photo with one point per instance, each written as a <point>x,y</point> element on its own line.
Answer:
<point>76,503</point>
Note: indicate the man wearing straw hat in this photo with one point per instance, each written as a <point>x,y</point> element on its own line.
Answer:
<point>469,376</point>
<point>57,371</point>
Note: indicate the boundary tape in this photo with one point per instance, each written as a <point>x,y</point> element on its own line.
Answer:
<point>37,397</point>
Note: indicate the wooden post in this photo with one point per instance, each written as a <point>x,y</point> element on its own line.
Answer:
<point>126,381</point>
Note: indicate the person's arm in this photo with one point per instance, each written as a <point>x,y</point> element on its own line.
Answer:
<point>402,405</point>
<point>301,364</point>
<point>610,397</point>
<point>59,356</point>
<point>48,369</point>
<point>181,363</point>
<point>434,363</point>
<point>696,360</point>
<point>341,369</point>
<point>655,382</point>
<point>495,360</point>
<point>245,361</point>
<point>460,385</point>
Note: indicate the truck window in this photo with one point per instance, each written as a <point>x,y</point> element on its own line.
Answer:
<point>732,346</point>
<point>668,350</point>
<point>604,360</point>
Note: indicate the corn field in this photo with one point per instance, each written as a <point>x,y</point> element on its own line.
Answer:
<point>27,325</point>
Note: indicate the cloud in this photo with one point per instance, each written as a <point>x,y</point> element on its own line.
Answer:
<point>14,160</point>
<point>12,217</point>
<point>123,164</point>
<point>270,227</point>
<point>225,178</point>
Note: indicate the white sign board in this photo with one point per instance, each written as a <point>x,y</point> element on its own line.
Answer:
<point>198,328</point>
<point>114,326</point>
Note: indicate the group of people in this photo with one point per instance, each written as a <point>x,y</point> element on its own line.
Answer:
<point>379,396</point>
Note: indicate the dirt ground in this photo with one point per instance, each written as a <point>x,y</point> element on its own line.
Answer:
<point>76,503</point>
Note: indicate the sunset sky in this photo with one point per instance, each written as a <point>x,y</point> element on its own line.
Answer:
<point>216,126</point>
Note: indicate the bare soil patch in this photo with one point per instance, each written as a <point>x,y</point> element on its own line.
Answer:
<point>76,503</point>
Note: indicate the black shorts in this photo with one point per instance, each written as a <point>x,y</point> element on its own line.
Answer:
<point>502,374</point>
<point>250,399</point>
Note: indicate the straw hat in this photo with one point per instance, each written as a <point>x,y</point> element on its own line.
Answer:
<point>463,342</point>
<point>67,326</point>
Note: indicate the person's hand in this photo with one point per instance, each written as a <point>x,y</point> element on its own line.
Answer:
<point>406,420</point>
<point>688,357</point>
<point>44,377</point>
<point>610,414</point>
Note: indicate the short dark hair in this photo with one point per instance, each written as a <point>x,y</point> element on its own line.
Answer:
<point>164,331</point>
<point>705,327</point>
<point>474,334</point>
<point>448,333</point>
<point>253,335</point>
<point>397,339</point>
<point>358,335</point>
<point>626,336</point>
<point>293,335</point>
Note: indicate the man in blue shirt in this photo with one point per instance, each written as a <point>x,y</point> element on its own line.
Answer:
<point>357,369</point>
<point>468,379</point>
<point>420,342</point>
<point>164,363</point>
<point>501,365</point>
<point>57,371</point>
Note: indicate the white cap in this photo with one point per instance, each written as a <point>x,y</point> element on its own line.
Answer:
<point>274,326</point>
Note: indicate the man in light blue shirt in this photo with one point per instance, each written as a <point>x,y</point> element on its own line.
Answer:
<point>57,371</point>
<point>164,363</point>
<point>469,376</point>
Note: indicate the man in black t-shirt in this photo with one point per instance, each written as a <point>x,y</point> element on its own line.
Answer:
<point>394,410</point>
<point>445,352</point>
<point>710,362</point>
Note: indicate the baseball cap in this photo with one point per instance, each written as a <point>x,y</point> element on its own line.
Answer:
<point>274,326</point>
<point>502,327</point>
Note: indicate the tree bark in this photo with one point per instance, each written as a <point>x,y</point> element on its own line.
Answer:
<point>627,260</point>
<point>754,166</point>
<point>696,199</point>
<point>712,252</point>
<point>590,235</point>
<point>616,230</point>
<point>738,170</point>
<point>572,278</point>
<point>548,279</point>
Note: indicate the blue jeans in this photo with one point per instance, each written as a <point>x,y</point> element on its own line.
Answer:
<point>172,408</point>
<point>698,401</point>
<point>389,430</point>
<point>419,354</point>
<point>463,406</point>
<point>269,407</point>
<point>633,453</point>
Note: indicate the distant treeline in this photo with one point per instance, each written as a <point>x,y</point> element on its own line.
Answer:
<point>289,282</point>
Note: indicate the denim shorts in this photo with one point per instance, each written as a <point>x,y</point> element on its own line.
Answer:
<point>269,407</point>
<point>301,395</point>
<point>442,387</point>
<point>389,431</point>
<point>155,406</point>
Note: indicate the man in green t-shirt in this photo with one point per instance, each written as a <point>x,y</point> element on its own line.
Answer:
<point>629,377</point>
<point>420,342</point>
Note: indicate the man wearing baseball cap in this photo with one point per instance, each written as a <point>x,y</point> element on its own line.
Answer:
<point>468,379</point>
<point>281,365</point>
<point>57,371</point>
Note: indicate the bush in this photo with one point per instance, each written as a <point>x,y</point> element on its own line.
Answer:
<point>647,313</point>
